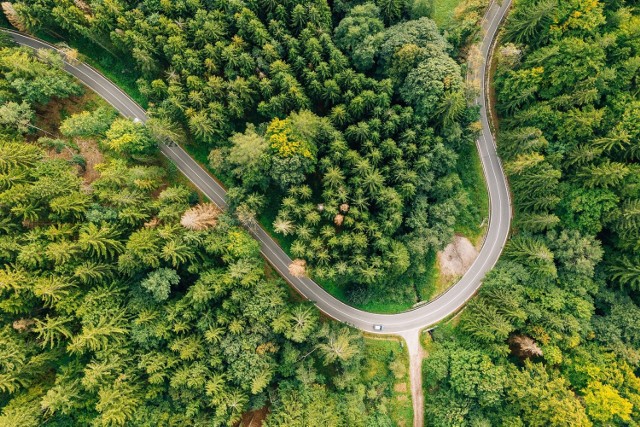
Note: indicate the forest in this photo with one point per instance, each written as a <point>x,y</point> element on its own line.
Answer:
<point>554,336</point>
<point>127,300</point>
<point>337,126</point>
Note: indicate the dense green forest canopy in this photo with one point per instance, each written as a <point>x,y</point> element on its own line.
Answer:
<point>125,301</point>
<point>554,335</point>
<point>339,122</point>
<point>344,121</point>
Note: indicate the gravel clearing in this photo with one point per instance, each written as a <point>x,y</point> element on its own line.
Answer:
<point>457,257</point>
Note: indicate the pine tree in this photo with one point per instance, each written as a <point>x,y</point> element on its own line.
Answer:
<point>626,271</point>
<point>100,241</point>
<point>53,330</point>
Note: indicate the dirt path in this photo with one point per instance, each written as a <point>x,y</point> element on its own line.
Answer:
<point>416,354</point>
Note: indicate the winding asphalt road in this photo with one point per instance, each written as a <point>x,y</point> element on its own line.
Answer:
<point>402,323</point>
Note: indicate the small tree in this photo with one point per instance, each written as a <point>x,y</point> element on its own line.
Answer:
<point>525,346</point>
<point>12,16</point>
<point>298,268</point>
<point>129,138</point>
<point>87,123</point>
<point>159,283</point>
<point>201,217</point>
<point>283,226</point>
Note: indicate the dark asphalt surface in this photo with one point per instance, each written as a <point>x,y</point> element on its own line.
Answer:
<point>409,321</point>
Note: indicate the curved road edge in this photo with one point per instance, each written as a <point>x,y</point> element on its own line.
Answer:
<point>399,324</point>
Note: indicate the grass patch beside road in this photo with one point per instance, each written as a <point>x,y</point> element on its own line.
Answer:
<point>387,365</point>
<point>443,11</point>
<point>472,222</point>
<point>377,303</point>
<point>120,71</point>
<point>428,285</point>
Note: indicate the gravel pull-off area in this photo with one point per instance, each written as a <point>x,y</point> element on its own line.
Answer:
<point>457,257</point>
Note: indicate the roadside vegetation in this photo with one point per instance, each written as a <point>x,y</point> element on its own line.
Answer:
<point>443,11</point>
<point>125,300</point>
<point>552,338</point>
<point>387,364</point>
<point>460,21</point>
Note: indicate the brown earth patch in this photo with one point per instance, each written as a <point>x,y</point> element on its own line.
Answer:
<point>89,150</point>
<point>48,119</point>
<point>254,418</point>
<point>92,155</point>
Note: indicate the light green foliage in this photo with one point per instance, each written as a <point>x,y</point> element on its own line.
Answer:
<point>303,400</point>
<point>604,403</point>
<point>36,79</point>
<point>159,283</point>
<point>587,209</point>
<point>431,84</point>
<point>338,346</point>
<point>129,138</point>
<point>22,411</point>
<point>18,116</point>
<point>314,402</point>
<point>292,148</point>
<point>165,131</point>
<point>458,374</point>
<point>246,155</point>
<point>15,155</point>
<point>422,9</point>
<point>88,123</point>
<point>626,271</point>
<point>542,399</point>
<point>530,23</point>
<point>461,19</point>
<point>421,33</point>
<point>361,22</point>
